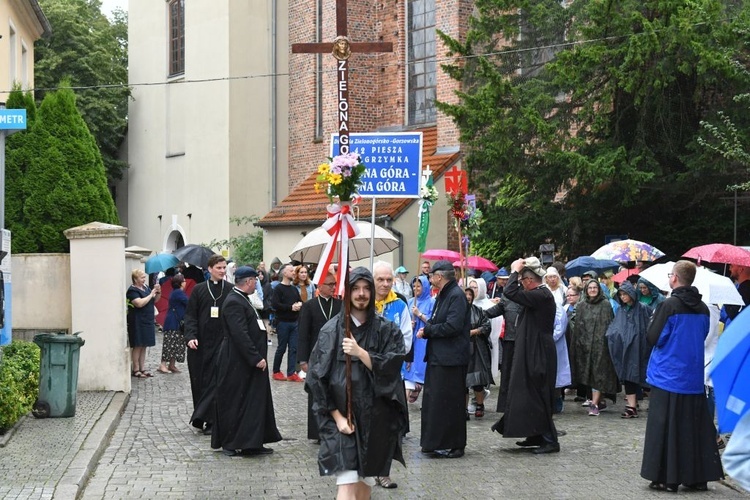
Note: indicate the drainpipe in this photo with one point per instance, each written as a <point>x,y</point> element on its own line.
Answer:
<point>388,223</point>
<point>274,155</point>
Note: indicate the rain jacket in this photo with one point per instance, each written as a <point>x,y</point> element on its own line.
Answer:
<point>378,406</point>
<point>677,332</point>
<point>592,364</point>
<point>656,297</point>
<point>626,338</point>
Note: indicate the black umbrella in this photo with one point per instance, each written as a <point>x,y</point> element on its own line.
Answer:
<point>194,254</point>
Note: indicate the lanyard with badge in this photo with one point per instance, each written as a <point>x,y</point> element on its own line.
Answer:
<point>261,324</point>
<point>215,308</point>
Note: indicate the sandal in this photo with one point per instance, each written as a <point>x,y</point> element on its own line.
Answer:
<point>479,412</point>
<point>414,393</point>
<point>138,374</point>
<point>663,487</point>
<point>385,482</point>
<point>629,412</point>
<point>697,486</point>
<point>147,374</point>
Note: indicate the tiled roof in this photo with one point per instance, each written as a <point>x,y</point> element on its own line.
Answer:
<point>304,206</point>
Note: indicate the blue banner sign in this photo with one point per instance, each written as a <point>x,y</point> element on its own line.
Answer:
<point>12,119</point>
<point>393,161</point>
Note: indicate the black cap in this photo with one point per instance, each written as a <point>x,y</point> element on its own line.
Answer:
<point>243,272</point>
<point>442,265</point>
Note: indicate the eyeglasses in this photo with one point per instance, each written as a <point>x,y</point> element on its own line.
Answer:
<point>333,283</point>
<point>669,275</point>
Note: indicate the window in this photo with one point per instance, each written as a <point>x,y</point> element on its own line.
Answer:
<point>12,46</point>
<point>422,73</point>
<point>176,37</point>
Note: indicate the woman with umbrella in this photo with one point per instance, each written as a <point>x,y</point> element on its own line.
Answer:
<point>626,338</point>
<point>592,364</point>
<point>173,344</point>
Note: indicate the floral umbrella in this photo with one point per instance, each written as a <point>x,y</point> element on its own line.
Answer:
<point>628,251</point>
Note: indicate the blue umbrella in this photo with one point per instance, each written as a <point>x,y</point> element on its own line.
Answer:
<point>730,372</point>
<point>577,267</point>
<point>161,262</point>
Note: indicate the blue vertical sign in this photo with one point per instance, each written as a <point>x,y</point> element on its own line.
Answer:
<point>393,161</point>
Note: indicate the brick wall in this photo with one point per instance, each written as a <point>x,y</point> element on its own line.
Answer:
<point>377,81</point>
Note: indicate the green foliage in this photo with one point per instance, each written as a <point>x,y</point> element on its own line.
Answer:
<point>55,177</point>
<point>19,381</point>
<point>88,50</point>
<point>247,249</point>
<point>584,121</point>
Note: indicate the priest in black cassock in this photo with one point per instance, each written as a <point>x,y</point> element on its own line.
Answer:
<point>355,453</point>
<point>245,419</point>
<point>312,316</point>
<point>531,393</point>
<point>203,332</point>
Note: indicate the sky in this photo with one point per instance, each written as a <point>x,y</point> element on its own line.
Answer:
<point>109,5</point>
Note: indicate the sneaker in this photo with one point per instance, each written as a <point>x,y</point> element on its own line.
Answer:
<point>602,406</point>
<point>486,393</point>
<point>593,410</point>
<point>588,402</point>
<point>302,374</point>
<point>279,376</point>
<point>472,408</point>
<point>294,378</point>
<point>269,342</point>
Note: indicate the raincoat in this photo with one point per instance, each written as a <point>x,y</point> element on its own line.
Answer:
<point>592,364</point>
<point>626,338</point>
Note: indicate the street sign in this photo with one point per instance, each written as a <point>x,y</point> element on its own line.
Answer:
<point>393,161</point>
<point>12,119</point>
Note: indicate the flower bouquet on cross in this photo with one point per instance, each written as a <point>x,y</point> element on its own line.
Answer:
<point>340,177</point>
<point>467,218</point>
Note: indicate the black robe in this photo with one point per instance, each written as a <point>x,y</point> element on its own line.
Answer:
<point>208,331</point>
<point>312,316</point>
<point>244,407</point>
<point>379,414</point>
<point>531,392</point>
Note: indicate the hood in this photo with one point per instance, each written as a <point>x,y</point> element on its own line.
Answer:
<point>628,288</point>
<point>481,288</point>
<point>690,296</point>
<point>599,294</point>
<point>362,273</point>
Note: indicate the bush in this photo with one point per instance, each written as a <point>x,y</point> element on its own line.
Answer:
<point>19,381</point>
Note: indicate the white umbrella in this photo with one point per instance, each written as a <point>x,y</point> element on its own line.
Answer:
<point>714,288</point>
<point>310,248</point>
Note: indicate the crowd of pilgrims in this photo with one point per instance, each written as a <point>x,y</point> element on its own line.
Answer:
<point>599,333</point>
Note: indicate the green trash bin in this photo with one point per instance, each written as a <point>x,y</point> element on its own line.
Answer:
<point>58,374</point>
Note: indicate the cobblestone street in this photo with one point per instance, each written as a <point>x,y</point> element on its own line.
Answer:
<point>155,453</point>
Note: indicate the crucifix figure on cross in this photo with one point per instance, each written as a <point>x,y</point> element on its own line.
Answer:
<point>342,48</point>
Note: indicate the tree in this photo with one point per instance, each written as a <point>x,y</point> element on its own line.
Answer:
<point>55,176</point>
<point>583,121</point>
<point>89,50</point>
<point>247,248</point>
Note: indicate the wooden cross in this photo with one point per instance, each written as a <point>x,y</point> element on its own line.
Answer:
<point>341,49</point>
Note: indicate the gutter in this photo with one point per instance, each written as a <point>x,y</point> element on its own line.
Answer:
<point>46,27</point>
<point>274,97</point>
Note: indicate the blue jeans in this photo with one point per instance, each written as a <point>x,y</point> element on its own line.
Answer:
<point>286,334</point>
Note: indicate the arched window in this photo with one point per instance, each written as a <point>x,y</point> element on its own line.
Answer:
<point>176,37</point>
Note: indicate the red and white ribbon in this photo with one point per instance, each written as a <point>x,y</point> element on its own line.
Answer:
<point>341,226</point>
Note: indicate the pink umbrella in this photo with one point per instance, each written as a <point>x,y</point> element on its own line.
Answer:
<point>440,254</point>
<point>624,274</point>
<point>720,253</point>
<point>478,263</point>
